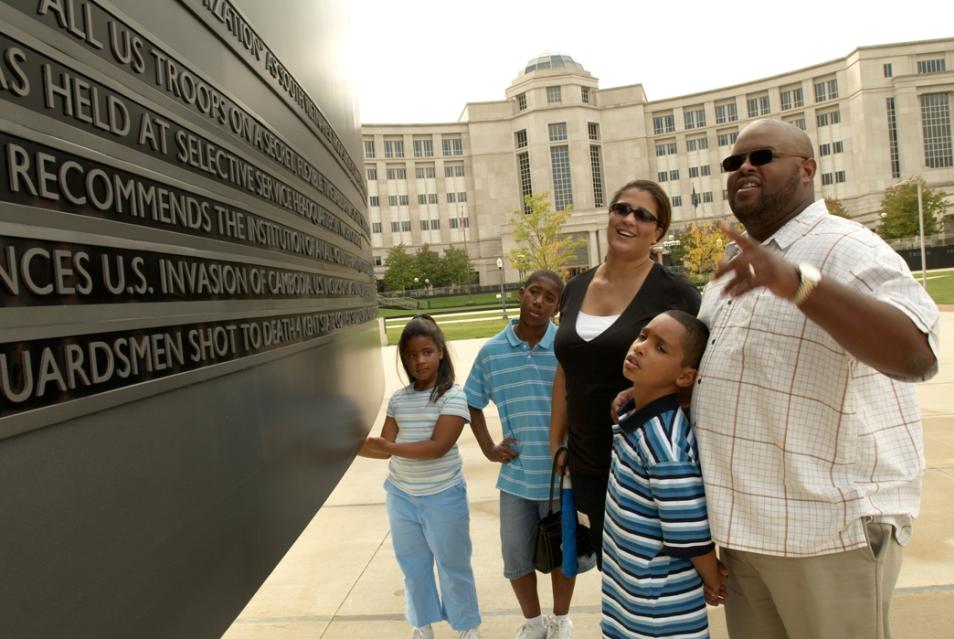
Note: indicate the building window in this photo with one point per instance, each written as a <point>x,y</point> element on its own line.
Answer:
<point>522,102</point>
<point>726,112</point>
<point>395,200</point>
<point>374,200</point>
<point>395,227</point>
<point>406,225</point>
<point>839,176</point>
<point>827,118</point>
<point>792,98</point>
<point>887,70</point>
<point>526,186</point>
<point>562,186</point>
<point>454,169</point>
<point>425,225</point>
<point>394,148</point>
<point>585,94</point>
<point>424,148</point>
<point>422,198</point>
<point>935,65</point>
<point>461,196</point>
<point>593,130</point>
<point>676,200</point>
<point>372,173</point>
<point>694,117</point>
<point>893,140</point>
<point>554,95</point>
<point>727,138</point>
<point>520,138</point>
<point>837,147</point>
<point>663,123</point>
<point>699,171</point>
<point>707,196</point>
<point>557,131</point>
<point>674,175</point>
<point>596,165</point>
<point>826,90</point>
<point>452,146</point>
<point>827,179</point>
<point>423,172</point>
<point>376,228</point>
<point>757,105</point>
<point>824,149</point>
<point>936,127</point>
<point>432,198</point>
<point>662,176</point>
<point>435,225</point>
<point>697,144</point>
<point>797,121</point>
<point>396,173</point>
<point>665,148</point>
<point>369,149</point>
<point>451,197</point>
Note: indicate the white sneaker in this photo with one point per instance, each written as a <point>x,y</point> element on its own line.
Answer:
<point>473,633</point>
<point>421,633</point>
<point>559,628</point>
<point>533,630</point>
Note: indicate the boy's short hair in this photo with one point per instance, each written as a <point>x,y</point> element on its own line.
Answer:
<point>697,334</point>
<point>545,274</point>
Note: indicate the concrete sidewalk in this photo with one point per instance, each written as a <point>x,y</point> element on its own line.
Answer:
<point>340,580</point>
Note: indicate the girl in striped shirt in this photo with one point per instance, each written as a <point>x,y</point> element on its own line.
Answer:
<point>659,562</point>
<point>426,493</point>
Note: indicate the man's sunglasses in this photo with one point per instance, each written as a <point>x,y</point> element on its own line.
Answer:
<point>623,209</point>
<point>756,158</point>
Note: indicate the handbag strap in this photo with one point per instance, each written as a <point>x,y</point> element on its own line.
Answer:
<point>562,450</point>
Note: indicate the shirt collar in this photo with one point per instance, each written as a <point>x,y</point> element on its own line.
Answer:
<point>799,226</point>
<point>546,342</point>
<point>632,421</point>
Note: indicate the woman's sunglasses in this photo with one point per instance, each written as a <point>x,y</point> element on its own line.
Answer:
<point>623,209</point>
<point>756,158</point>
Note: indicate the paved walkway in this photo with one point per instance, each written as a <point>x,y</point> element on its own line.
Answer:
<point>340,580</point>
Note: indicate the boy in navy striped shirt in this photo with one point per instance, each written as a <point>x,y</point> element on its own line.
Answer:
<point>659,562</point>
<point>515,371</point>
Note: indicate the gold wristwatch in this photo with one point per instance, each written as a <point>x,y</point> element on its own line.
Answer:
<point>808,279</point>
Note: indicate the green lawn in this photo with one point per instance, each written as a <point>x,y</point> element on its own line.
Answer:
<point>940,286</point>
<point>452,330</point>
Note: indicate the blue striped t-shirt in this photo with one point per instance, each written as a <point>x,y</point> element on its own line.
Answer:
<point>519,381</point>
<point>416,415</point>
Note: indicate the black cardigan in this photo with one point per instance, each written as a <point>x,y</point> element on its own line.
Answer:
<point>594,369</point>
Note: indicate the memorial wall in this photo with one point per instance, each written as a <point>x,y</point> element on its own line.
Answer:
<point>188,334</point>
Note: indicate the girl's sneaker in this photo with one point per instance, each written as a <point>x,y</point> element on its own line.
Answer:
<point>533,630</point>
<point>473,633</point>
<point>421,633</point>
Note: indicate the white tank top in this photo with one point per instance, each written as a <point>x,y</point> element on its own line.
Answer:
<point>589,327</point>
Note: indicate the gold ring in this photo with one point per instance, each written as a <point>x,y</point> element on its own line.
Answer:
<point>752,273</point>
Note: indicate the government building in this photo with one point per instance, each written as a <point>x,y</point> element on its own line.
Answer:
<point>877,116</point>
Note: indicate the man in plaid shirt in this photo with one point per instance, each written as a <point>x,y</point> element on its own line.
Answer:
<point>808,427</point>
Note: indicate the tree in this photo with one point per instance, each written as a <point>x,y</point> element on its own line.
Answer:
<point>702,247</point>
<point>541,243</point>
<point>899,209</point>
<point>429,265</point>
<point>457,267</point>
<point>401,269</point>
<point>835,207</point>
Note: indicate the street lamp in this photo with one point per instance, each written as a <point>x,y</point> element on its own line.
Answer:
<point>503,302</point>
<point>920,227</point>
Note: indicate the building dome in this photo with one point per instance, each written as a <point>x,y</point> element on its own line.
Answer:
<point>552,61</point>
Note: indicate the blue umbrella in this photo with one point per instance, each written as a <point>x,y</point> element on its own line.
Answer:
<point>568,524</point>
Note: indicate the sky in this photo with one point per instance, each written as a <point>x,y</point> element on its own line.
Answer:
<point>423,60</point>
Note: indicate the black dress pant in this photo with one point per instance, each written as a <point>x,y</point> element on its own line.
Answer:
<point>590,495</point>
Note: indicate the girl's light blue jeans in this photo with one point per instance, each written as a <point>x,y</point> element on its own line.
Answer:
<point>434,529</point>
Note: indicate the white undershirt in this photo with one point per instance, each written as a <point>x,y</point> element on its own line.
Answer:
<point>589,327</point>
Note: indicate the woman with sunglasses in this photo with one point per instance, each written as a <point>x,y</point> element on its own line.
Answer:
<point>601,312</point>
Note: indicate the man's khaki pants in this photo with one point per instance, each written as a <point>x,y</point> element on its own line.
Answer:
<point>838,596</point>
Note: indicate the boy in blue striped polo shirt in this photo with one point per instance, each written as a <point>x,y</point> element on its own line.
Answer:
<point>659,562</point>
<point>515,370</point>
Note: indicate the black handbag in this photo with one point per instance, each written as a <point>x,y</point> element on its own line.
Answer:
<point>548,546</point>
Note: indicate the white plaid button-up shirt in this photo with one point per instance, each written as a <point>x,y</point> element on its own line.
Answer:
<point>800,442</point>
